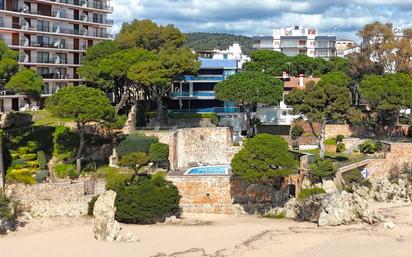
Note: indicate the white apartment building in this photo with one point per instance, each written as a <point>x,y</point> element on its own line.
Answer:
<point>234,52</point>
<point>345,47</point>
<point>51,37</point>
<point>296,40</point>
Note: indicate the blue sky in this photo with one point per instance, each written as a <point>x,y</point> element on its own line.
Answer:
<point>258,17</point>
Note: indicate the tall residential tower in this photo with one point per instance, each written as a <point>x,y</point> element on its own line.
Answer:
<point>52,37</point>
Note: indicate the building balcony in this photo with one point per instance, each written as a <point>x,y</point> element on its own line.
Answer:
<point>52,46</point>
<point>49,30</point>
<point>79,4</point>
<point>195,95</point>
<point>218,110</point>
<point>203,78</point>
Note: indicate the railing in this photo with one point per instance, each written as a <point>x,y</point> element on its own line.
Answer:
<point>57,45</point>
<point>206,110</point>
<point>55,76</point>
<point>203,77</point>
<point>54,60</point>
<point>193,94</point>
<point>89,4</point>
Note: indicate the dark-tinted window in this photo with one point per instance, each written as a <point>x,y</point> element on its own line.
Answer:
<point>1,4</point>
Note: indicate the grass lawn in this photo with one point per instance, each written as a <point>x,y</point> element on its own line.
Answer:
<point>45,118</point>
<point>339,159</point>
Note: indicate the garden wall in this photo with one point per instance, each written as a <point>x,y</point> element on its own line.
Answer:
<point>193,145</point>
<point>54,199</point>
<point>398,156</point>
<point>204,194</point>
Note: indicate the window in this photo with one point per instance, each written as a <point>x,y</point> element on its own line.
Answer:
<point>225,56</point>
<point>42,57</point>
<point>43,71</point>
<point>1,4</point>
<point>42,25</point>
<point>302,42</point>
<point>284,113</point>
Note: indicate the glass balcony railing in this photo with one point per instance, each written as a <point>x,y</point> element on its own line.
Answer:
<point>89,4</point>
<point>203,77</point>
<point>211,109</point>
<point>193,94</point>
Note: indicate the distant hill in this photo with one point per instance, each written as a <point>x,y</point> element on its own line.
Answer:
<point>210,41</point>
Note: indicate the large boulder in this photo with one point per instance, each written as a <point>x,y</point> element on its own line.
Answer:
<point>105,227</point>
<point>386,190</point>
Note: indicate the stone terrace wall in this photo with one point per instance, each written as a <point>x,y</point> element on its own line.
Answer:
<point>204,194</point>
<point>333,130</point>
<point>54,199</point>
<point>399,155</point>
<point>192,145</point>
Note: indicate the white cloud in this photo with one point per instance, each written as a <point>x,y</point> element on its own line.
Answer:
<point>252,17</point>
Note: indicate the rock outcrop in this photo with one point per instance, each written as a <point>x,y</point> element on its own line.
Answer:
<point>105,227</point>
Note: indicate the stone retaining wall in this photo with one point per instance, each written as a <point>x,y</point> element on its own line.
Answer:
<point>54,199</point>
<point>204,194</point>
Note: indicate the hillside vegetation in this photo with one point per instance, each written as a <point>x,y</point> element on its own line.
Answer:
<point>210,41</point>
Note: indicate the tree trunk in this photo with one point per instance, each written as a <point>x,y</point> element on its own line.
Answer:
<point>322,140</point>
<point>122,101</point>
<point>158,98</point>
<point>80,128</point>
<point>2,171</point>
<point>249,131</point>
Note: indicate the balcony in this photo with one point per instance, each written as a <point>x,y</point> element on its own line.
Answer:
<point>55,45</point>
<point>53,60</point>
<point>208,110</point>
<point>203,78</point>
<point>88,4</point>
<point>198,94</point>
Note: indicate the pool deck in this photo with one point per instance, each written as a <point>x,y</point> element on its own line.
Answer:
<point>181,172</point>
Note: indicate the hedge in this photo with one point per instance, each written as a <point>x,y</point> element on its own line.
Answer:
<point>159,152</point>
<point>133,159</point>
<point>135,143</point>
<point>149,199</point>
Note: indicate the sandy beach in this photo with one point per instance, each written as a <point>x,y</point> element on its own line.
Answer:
<point>217,235</point>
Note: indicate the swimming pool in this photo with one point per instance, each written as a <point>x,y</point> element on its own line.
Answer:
<point>209,170</point>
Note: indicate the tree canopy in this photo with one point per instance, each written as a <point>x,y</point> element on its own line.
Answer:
<point>329,100</point>
<point>27,82</point>
<point>83,104</point>
<point>8,61</point>
<point>249,88</point>
<point>264,158</point>
<point>387,94</point>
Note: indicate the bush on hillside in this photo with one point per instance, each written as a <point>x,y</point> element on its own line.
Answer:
<point>339,138</point>
<point>23,175</point>
<point>64,170</point>
<point>340,147</point>
<point>370,146</point>
<point>159,153</point>
<point>41,160</point>
<point>330,141</point>
<point>64,143</point>
<point>322,169</point>
<point>116,179</point>
<point>307,192</point>
<point>296,132</point>
<point>133,159</point>
<point>147,200</point>
<point>263,159</point>
<point>135,143</point>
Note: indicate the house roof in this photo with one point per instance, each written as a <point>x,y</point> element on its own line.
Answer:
<point>293,82</point>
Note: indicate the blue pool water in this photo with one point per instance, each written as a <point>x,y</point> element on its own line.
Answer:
<point>209,170</point>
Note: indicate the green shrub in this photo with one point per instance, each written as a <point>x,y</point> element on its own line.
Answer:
<point>339,138</point>
<point>135,143</point>
<point>340,147</point>
<point>63,170</point>
<point>322,169</point>
<point>90,207</point>
<point>5,208</point>
<point>23,150</point>
<point>25,176</point>
<point>119,122</point>
<point>64,143</point>
<point>353,176</point>
<point>159,152</point>
<point>33,146</point>
<point>41,160</point>
<point>149,199</point>
<point>330,141</point>
<point>133,159</point>
<point>41,176</point>
<point>29,156</point>
<point>296,132</point>
<point>264,159</point>
<point>370,146</point>
<point>18,164</point>
<point>115,179</point>
<point>307,192</point>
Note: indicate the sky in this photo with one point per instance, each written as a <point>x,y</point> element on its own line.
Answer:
<point>342,18</point>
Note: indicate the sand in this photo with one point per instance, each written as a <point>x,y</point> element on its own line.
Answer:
<point>217,235</point>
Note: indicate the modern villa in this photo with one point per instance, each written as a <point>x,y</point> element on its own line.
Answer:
<point>52,37</point>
